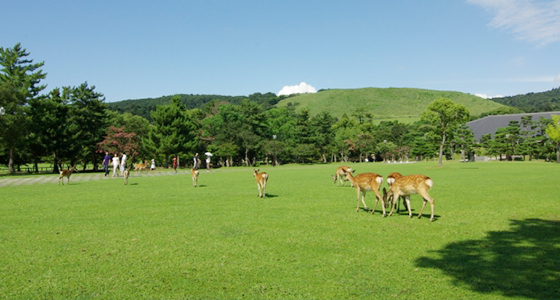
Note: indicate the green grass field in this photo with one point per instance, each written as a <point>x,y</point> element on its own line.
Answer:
<point>496,236</point>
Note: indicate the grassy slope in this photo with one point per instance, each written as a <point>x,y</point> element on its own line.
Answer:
<point>385,103</point>
<point>161,238</point>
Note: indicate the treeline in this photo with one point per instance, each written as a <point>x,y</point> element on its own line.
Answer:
<point>73,126</point>
<point>143,107</point>
<point>534,102</point>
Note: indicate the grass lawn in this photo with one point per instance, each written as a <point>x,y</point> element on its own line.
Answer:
<point>496,235</point>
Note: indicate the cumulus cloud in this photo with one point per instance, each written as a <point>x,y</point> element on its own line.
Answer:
<point>488,97</point>
<point>297,89</point>
<point>529,20</point>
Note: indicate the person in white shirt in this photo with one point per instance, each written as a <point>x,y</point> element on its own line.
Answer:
<point>116,163</point>
<point>123,162</point>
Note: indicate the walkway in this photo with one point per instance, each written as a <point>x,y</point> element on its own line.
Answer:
<point>53,178</point>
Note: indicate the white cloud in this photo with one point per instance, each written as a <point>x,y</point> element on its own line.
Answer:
<point>488,97</point>
<point>297,89</point>
<point>529,20</point>
<point>557,78</point>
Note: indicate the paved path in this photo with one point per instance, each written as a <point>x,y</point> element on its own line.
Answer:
<point>43,179</point>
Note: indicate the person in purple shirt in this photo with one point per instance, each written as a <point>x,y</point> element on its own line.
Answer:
<point>106,160</point>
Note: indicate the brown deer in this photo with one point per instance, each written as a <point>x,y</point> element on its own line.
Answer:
<point>65,173</point>
<point>141,166</point>
<point>194,175</point>
<point>340,174</point>
<point>261,178</point>
<point>409,185</point>
<point>390,179</point>
<point>367,182</point>
<point>125,175</point>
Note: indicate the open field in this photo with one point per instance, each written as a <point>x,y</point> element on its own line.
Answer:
<point>496,235</point>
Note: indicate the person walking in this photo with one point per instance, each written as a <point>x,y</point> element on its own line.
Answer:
<point>208,163</point>
<point>174,165</point>
<point>195,161</point>
<point>153,166</point>
<point>106,160</point>
<point>116,164</point>
<point>123,162</point>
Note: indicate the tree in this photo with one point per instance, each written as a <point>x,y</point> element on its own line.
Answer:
<point>553,132</point>
<point>49,130</point>
<point>445,116</point>
<point>173,130</point>
<point>19,83</point>
<point>88,120</point>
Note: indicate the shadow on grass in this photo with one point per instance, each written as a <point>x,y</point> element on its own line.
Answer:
<point>521,262</point>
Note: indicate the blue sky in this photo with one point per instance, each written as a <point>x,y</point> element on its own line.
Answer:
<point>141,49</point>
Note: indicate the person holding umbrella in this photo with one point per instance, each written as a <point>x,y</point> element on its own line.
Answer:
<point>208,155</point>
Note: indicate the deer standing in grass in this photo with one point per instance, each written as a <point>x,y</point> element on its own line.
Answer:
<point>367,182</point>
<point>125,175</point>
<point>65,173</point>
<point>409,185</point>
<point>340,174</point>
<point>390,179</point>
<point>261,178</point>
<point>194,175</point>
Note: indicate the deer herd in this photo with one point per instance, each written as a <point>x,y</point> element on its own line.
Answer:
<point>400,187</point>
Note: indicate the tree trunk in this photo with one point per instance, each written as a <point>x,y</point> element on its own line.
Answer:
<point>11,162</point>
<point>440,160</point>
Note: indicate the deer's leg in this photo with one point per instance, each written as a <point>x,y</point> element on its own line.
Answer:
<point>427,198</point>
<point>395,196</point>
<point>407,199</point>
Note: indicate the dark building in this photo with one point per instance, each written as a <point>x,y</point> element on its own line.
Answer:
<point>490,124</point>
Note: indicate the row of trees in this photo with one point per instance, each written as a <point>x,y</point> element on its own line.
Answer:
<point>72,125</point>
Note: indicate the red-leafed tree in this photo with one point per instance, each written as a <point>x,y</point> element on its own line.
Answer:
<point>117,140</point>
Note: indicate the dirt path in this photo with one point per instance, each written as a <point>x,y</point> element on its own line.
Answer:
<point>53,179</point>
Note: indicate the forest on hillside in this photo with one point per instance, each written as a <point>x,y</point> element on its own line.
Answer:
<point>143,107</point>
<point>534,102</point>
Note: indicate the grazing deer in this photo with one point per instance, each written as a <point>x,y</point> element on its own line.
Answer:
<point>65,173</point>
<point>194,175</point>
<point>261,178</point>
<point>367,182</point>
<point>409,185</point>
<point>390,179</point>
<point>125,175</point>
<point>340,174</point>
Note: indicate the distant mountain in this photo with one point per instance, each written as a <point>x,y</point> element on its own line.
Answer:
<point>534,102</point>
<point>402,104</point>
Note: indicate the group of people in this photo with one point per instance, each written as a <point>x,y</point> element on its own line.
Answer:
<point>197,162</point>
<point>119,163</point>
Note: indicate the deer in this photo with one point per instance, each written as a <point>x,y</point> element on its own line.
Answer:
<point>141,166</point>
<point>65,173</point>
<point>339,175</point>
<point>409,185</point>
<point>194,175</point>
<point>125,175</point>
<point>367,182</point>
<point>261,178</point>
<point>390,179</point>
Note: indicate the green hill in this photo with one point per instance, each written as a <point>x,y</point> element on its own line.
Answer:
<point>402,104</point>
<point>534,102</point>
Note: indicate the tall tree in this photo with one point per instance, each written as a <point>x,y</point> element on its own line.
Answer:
<point>553,132</point>
<point>445,116</point>
<point>19,83</point>
<point>50,127</point>
<point>89,121</point>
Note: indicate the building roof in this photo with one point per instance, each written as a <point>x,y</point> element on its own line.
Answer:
<point>490,124</point>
